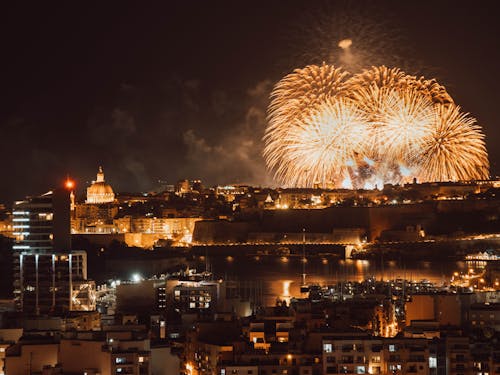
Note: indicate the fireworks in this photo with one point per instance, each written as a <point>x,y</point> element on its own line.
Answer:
<point>454,149</point>
<point>379,126</point>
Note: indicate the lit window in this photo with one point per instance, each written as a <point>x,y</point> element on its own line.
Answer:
<point>392,348</point>
<point>360,370</point>
<point>141,359</point>
<point>432,362</point>
<point>327,348</point>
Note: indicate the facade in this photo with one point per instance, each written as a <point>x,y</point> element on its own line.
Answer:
<point>105,357</point>
<point>8,337</point>
<point>105,353</point>
<point>48,276</point>
<point>31,358</point>
<point>42,223</point>
<point>54,282</point>
<point>346,355</point>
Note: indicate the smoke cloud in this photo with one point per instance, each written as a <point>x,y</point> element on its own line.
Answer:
<point>235,156</point>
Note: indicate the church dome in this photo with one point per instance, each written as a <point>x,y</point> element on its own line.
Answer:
<point>100,191</point>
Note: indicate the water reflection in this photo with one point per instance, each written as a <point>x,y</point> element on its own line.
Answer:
<point>281,276</point>
<point>286,296</point>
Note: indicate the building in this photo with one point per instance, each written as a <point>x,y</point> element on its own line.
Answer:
<point>125,350</point>
<point>100,192</point>
<point>54,282</point>
<point>117,353</point>
<point>8,337</point>
<point>31,357</point>
<point>42,223</point>
<point>357,355</point>
<point>48,275</point>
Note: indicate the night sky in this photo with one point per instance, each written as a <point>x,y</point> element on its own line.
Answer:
<point>170,90</point>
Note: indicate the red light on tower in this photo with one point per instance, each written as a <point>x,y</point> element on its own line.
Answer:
<point>69,184</point>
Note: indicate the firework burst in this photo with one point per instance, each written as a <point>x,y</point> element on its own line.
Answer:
<point>333,134</point>
<point>379,126</point>
<point>454,149</point>
<point>298,93</point>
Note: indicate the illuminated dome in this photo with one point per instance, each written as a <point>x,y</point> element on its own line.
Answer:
<point>100,191</point>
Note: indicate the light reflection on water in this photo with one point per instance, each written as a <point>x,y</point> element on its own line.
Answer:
<point>282,278</point>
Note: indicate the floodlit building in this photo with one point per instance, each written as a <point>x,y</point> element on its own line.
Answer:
<point>100,192</point>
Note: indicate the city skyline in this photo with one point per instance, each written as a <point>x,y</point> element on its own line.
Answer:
<point>250,187</point>
<point>175,92</point>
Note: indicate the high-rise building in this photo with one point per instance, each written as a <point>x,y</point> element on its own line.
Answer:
<point>42,223</point>
<point>48,275</point>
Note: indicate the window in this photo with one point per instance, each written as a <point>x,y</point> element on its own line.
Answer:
<point>376,359</point>
<point>141,359</point>
<point>392,348</point>
<point>327,348</point>
<point>120,360</point>
<point>360,370</point>
<point>394,367</point>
